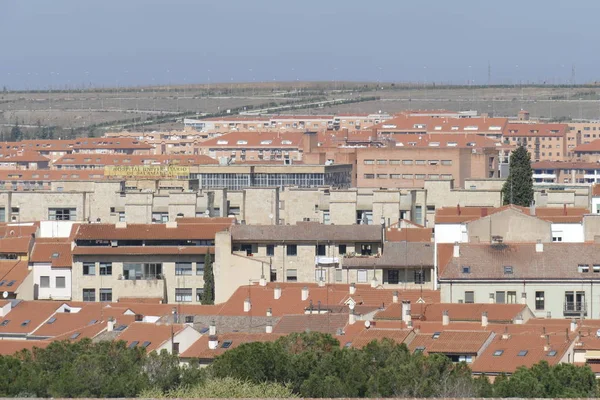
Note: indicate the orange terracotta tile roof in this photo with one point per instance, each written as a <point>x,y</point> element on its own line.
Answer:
<point>450,342</point>
<point>86,159</point>
<point>15,244</point>
<point>203,231</point>
<point>442,140</point>
<point>24,229</point>
<point>460,214</point>
<point>10,347</point>
<point>592,147</point>
<point>54,251</point>
<point>366,336</point>
<point>535,129</point>
<point>12,275</point>
<point>326,323</point>
<point>261,140</point>
<point>564,165</point>
<point>25,157</point>
<point>146,332</point>
<point>409,235</point>
<point>145,300</point>
<point>27,316</point>
<point>520,349</point>
<point>200,348</point>
<point>444,124</point>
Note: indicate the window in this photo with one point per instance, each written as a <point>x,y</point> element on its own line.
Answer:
<point>369,176</point>
<point>500,297</point>
<point>270,250</point>
<point>498,353</point>
<point>419,277</point>
<point>320,275</point>
<point>369,162</point>
<point>596,268</point>
<point>522,353</point>
<point>407,162</point>
<point>583,268</point>
<point>292,250</point>
<point>226,344</point>
<point>62,214</point>
<point>366,250</point>
<point>394,162</point>
<point>469,297</point>
<point>552,353</point>
<point>557,236</point>
<point>466,269</point>
<point>326,218</point>
<point>183,295</point>
<point>160,217</point>
<point>89,294</point>
<point>539,301</point>
<point>342,249</point>
<point>407,176</point>
<point>183,268</point>
<point>338,275</point>
<point>44,281</point>
<point>446,162</point>
<point>381,162</point>
<point>420,162</point>
<point>199,294</point>
<point>89,268</point>
<point>61,282</point>
<point>418,215</point>
<point>291,275</point>
<point>321,250</point>
<point>121,216</point>
<point>106,294</point>
<point>511,297</point>
<point>382,176</point>
<point>508,270</point>
<point>134,271</point>
<point>395,176</point>
<point>362,276</point>
<point>105,268</point>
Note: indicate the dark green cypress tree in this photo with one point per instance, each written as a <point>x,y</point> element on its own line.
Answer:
<point>518,188</point>
<point>208,296</point>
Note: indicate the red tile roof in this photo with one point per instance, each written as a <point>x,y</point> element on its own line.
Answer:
<point>141,250</point>
<point>409,235</point>
<point>431,124</point>
<point>203,231</point>
<point>366,336</point>
<point>147,332</point>
<point>200,348</point>
<point>535,129</point>
<point>261,140</point>
<point>451,342</point>
<point>54,251</point>
<point>36,312</point>
<point>460,214</point>
<point>10,347</point>
<point>12,275</point>
<point>592,147</point>
<point>88,160</point>
<point>326,323</point>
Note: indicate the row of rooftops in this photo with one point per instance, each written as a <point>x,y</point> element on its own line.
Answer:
<point>496,338</point>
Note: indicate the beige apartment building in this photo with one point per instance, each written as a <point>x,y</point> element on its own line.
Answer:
<point>542,141</point>
<point>116,262</point>
<point>566,172</point>
<point>581,133</point>
<point>411,159</point>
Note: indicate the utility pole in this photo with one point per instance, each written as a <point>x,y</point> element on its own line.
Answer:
<point>489,74</point>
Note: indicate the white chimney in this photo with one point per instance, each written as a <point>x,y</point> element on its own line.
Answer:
<point>247,305</point>
<point>519,319</point>
<point>491,298</point>
<point>352,318</point>
<point>374,282</point>
<point>277,292</point>
<point>269,328</point>
<point>352,288</point>
<point>269,312</point>
<point>110,326</point>
<point>523,298</point>
<point>212,328</point>
<point>484,319</point>
<point>213,342</point>
<point>406,311</point>
<point>539,247</point>
<point>304,293</point>
<point>505,335</point>
<point>456,250</point>
<point>395,297</point>
<point>321,282</point>
<point>445,318</point>
<point>262,281</point>
<point>573,325</point>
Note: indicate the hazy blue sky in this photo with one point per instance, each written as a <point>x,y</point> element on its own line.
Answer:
<point>58,42</point>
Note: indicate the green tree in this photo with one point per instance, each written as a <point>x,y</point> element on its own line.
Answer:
<point>518,188</point>
<point>16,134</point>
<point>208,295</point>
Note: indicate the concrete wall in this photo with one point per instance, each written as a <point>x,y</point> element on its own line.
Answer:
<point>512,225</point>
<point>51,293</point>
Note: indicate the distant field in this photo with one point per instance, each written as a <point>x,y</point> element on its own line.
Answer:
<point>107,109</point>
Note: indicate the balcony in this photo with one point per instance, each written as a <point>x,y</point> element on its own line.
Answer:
<point>323,260</point>
<point>574,309</point>
<point>544,176</point>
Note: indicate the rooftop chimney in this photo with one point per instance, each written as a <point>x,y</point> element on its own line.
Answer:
<point>304,293</point>
<point>539,246</point>
<point>263,281</point>
<point>110,326</point>
<point>532,208</point>
<point>484,319</point>
<point>351,318</point>
<point>445,318</point>
<point>352,288</point>
<point>456,251</point>
<point>406,309</point>
<point>505,335</point>
<point>212,328</point>
<point>213,342</point>
<point>277,292</point>
<point>247,305</point>
<point>321,282</point>
<point>269,312</point>
<point>374,282</point>
<point>573,325</point>
<point>395,296</point>
<point>269,327</point>
<point>547,345</point>
<point>518,319</point>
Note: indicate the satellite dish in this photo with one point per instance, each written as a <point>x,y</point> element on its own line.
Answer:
<point>5,294</point>
<point>367,324</point>
<point>207,212</point>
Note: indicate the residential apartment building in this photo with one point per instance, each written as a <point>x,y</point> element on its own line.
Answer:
<point>100,161</point>
<point>412,159</point>
<point>160,261</point>
<point>556,280</point>
<point>588,152</point>
<point>542,141</point>
<point>566,172</point>
<point>581,133</point>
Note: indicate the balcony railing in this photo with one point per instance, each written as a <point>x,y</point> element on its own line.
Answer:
<point>575,308</point>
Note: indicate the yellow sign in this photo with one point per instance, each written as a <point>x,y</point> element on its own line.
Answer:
<point>147,171</point>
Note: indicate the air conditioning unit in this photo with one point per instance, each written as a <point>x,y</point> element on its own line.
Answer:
<point>114,243</point>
